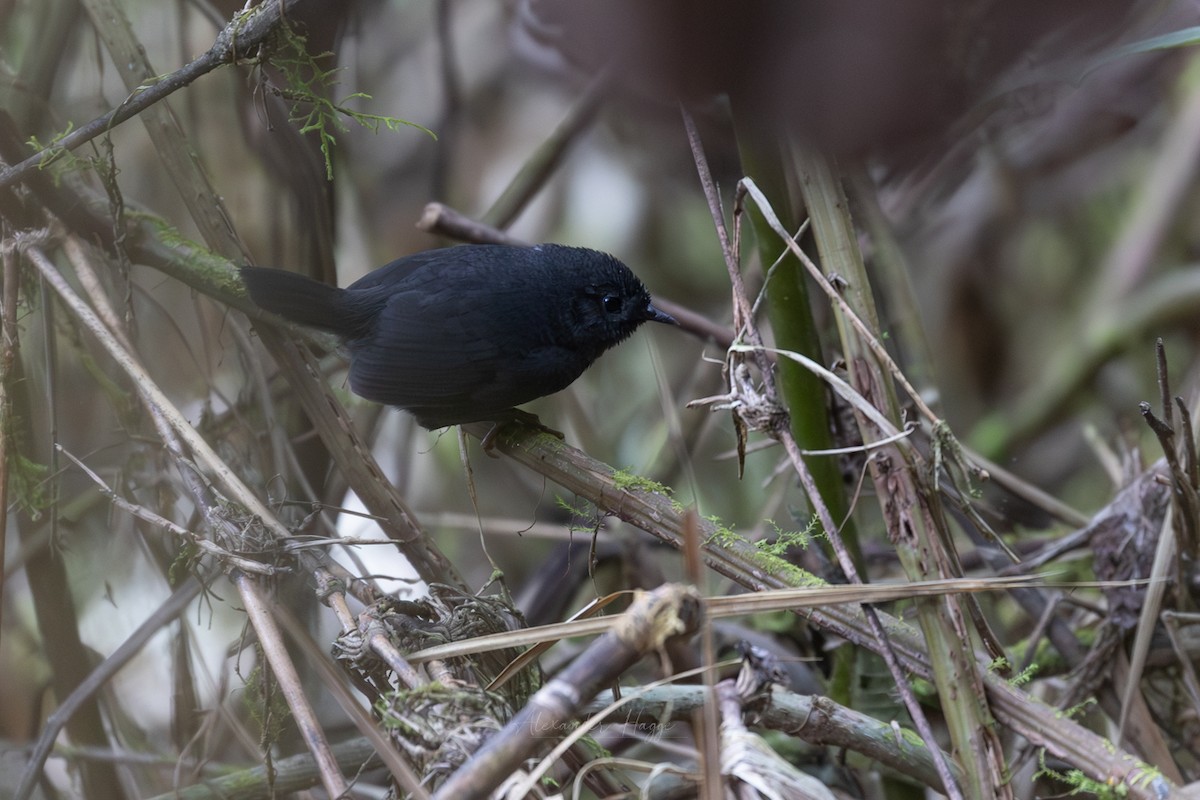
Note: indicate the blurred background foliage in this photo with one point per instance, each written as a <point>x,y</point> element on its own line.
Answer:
<point>1034,200</point>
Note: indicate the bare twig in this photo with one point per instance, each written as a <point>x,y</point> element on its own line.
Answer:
<point>742,315</point>
<point>740,561</point>
<point>763,601</point>
<point>271,638</point>
<point>443,220</point>
<point>240,37</point>
<point>654,618</point>
<point>101,675</point>
<point>231,560</point>
<point>178,433</point>
<point>744,321</point>
<point>538,169</point>
<point>334,681</point>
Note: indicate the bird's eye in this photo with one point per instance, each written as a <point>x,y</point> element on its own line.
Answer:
<point>612,303</point>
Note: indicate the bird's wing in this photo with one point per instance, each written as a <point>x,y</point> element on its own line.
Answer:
<point>430,350</point>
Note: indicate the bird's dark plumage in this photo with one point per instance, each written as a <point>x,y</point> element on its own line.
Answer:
<point>464,334</point>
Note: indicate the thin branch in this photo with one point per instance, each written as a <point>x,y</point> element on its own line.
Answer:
<point>177,433</point>
<point>271,638</point>
<point>740,561</point>
<point>745,321</point>
<point>96,680</point>
<point>240,37</point>
<point>542,164</point>
<point>222,555</point>
<point>742,314</point>
<point>653,619</point>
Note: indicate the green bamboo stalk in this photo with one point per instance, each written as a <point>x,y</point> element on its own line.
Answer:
<point>790,312</point>
<point>912,515</point>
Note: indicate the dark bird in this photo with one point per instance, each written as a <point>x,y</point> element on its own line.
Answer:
<point>465,334</point>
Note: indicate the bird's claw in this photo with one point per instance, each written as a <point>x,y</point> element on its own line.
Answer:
<point>517,418</point>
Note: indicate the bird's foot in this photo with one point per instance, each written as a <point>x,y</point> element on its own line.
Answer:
<point>516,417</point>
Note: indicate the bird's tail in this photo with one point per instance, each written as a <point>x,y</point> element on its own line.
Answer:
<point>302,300</point>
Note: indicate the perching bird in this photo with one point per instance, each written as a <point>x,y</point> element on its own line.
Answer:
<point>465,334</point>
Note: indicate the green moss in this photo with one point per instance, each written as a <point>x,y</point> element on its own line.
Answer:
<point>1024,676</point>
<point>631,482</point>
<point>785,571</point>
<point>194,264</point>
<point>56,157</point>
<point>585,517</point>
<point>786,540</point>
<point>28,484</point>
<point>307,88</point>
<point>1074,712</point>
<point>265,703</point>
<point>1081,783</point>
<point>722,535</point>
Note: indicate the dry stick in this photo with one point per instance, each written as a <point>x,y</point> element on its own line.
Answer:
<point>655,617</point>
<point>541,165</point>
<point>871,340</point>
<point>810,718</point>
<point>179,432</point>
<point>239,37</point>
<point>1160,574</point>
<point>743,319</point>
<point>8,358</point>
<point>950,787</point>
<point>186,537</point>
<point>271,640</point>
<point>739,561</point>
<point>407,781</point>
<point>763,601</point>
<point>101,675</point>
<point>443,220</point>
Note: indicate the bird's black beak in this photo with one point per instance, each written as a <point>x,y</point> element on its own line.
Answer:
<point>654,314</point>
